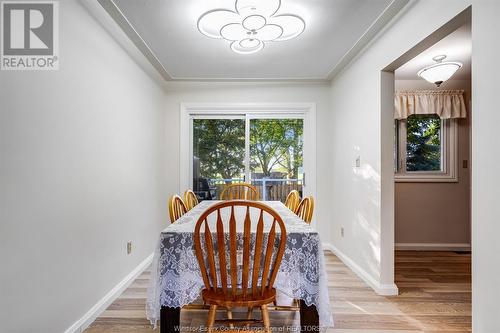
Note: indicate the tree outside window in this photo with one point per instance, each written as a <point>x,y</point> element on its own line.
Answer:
<point>423,143</point>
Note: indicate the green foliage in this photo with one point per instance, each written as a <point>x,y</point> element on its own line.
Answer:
<point>423,149</point>
<point>276,142</point>
<point>219,144</point>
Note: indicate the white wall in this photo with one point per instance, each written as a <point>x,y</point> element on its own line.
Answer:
<point>82,172</point>
<point>357,119</point>
<point>83,166</point>
<point>241,92</point>
<point>356,126</point>
<point>485,162</point>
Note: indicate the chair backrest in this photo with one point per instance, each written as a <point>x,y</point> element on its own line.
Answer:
<point>260,261</point>
<point>239,191</point>
<point>176,208</point>
<point>292,200</point>
<point>305,209</point>
<point>190,199</point>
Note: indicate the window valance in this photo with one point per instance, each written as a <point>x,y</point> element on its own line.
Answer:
<point>446,104</point>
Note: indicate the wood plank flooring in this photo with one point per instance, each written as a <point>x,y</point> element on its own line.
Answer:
<point>434,287</point>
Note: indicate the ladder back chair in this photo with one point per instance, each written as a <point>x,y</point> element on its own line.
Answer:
<point>239,191</point>
<point>305,209</point>
<point>221,283</point>
<point>176,208</point>
<point>190,199</point>
<point>292,200</point>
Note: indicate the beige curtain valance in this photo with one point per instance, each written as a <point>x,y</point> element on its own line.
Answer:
<point>446,104</point>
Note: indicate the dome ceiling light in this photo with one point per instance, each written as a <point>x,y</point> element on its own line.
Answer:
<point>252,24</point>
<point>439,72</point>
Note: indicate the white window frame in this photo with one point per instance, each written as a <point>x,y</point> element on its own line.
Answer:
<point>248,111</point>
<point>449,154</point>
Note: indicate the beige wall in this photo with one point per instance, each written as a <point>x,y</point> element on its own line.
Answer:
<point>437,213</point>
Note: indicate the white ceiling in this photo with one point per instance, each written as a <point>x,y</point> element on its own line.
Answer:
<point>169,28</point>
<point>457,46</point>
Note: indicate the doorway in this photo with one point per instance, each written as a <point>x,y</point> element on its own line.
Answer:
<point>390,161</point>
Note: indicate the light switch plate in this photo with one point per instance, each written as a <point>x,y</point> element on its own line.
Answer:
<point>129,247</point>
<point>358,161</point>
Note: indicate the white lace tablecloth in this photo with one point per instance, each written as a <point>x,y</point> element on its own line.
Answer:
<point>176,279</point>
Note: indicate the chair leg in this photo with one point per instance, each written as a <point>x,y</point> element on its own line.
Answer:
<point>230,316</point>
<point>211,317</point>
<point>265,318</point>
<point>249,315</point>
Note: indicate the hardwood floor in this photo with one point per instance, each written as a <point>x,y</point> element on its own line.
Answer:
<point>434,287</point>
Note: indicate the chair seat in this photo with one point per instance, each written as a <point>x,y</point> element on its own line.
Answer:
<point>217,297</point>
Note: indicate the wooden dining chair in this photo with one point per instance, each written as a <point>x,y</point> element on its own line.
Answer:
<point>176,208</point>
<point>190,199</point>
<point>221,284</point>
<point>292,200</point>
<point>239,191</point>
<point>305,209</point>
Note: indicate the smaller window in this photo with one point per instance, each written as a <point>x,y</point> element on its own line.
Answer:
<point>425,149</point>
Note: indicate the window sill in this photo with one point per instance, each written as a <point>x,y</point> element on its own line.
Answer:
<point>425,178</point>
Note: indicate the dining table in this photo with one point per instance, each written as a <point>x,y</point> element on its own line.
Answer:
<point>176,279</point>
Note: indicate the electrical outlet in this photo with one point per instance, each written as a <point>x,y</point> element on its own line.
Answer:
<point>358,161</point>
<point>342,231</point>
<point>129,247</point>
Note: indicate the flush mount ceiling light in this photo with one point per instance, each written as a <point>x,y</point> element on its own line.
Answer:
<point>439,72</point>
<point>252,24</point>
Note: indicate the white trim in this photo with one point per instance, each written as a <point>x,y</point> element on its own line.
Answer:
<point>307,111</point>
<point>247,149</point>
<point>449,156</point>
<point>381,289</point>
<point>299,80</point>
<point>389,13</point>
<point>433,246</point>
<point>378,27</point>
<point>88,318</point>
<point>135,40</point>
<point>102,11</point>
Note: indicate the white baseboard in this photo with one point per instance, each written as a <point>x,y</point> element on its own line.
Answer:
<point>81,324</point>
<point>379,288</point>
<point>433,246</point>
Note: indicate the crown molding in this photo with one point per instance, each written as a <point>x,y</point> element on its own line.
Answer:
<point>375,28</point>
<point>126,26</point>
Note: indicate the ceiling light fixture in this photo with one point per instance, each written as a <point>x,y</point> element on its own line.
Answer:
<point>252,24</point>
<point>439,72</point>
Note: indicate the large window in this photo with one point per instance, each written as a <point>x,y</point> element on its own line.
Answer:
<point>425,149</point>
<point>270,145</point>
<point>267,152</point>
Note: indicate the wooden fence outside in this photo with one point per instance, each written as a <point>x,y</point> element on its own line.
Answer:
<point>276,189</point>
